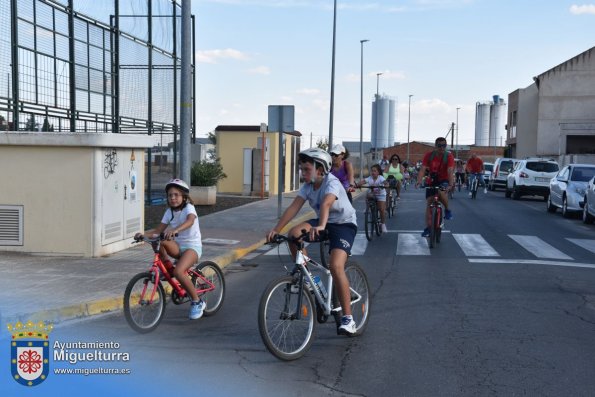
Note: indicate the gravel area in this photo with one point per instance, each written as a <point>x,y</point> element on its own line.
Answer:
<point>154,213</point>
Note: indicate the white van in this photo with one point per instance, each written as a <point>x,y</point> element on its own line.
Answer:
<point>502,167</point>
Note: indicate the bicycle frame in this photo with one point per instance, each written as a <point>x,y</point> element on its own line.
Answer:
<point>158,270</point>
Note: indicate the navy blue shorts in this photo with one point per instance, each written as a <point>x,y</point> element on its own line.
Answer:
<point>431,192</point>
<point>340,235</point>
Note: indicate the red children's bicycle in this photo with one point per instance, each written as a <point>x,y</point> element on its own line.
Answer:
<point>144,297</point>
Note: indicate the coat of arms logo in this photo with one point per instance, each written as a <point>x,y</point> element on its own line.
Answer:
<point>30,358</point>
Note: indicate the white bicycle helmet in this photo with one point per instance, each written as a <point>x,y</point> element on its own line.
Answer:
<point>319,156</point>
<point>180,184</point>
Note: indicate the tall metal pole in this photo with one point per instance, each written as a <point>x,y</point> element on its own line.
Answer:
<point>361,112</point>
<point>330,128</point>
<point>185,92</point>
<point>408,126</point>
<point>457,147</point>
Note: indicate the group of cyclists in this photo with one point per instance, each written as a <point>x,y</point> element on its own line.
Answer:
<point>328,184</point>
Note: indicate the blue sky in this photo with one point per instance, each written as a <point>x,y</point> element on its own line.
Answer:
<point>447,53</point>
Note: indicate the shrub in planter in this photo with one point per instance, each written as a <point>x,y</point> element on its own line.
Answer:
<point>206,173</point>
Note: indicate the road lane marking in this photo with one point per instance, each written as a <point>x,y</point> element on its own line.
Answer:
<point>412,244</point>
<point>583,243</point>
<point>532,262</point>
<point>474,245</point>
<point>359,244</point>
<point>538,247</point>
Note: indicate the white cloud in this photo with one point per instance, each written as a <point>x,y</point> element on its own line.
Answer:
<point>211,56</point>
<point>286,99</point>
<point>430,106</point>
<point>308,91</point>
<point>264,70</point>
<point>582,9</point>
<point>322,104</point>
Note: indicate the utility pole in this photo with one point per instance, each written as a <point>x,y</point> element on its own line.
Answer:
<point>185,93</point>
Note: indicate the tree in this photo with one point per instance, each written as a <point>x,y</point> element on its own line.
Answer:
<point>46,125</point>
<point>31,124</point>
<point>212,153</point>
<point>322,144</point>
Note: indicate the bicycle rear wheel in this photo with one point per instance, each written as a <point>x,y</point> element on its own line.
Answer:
<point>213,299</point>
<point>144,316</point>
<point>360,297</point>
<point>284,335</point>
<point>368,224</point>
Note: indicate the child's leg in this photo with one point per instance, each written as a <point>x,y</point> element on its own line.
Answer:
<point>188,258</point>
<point>381,208</point>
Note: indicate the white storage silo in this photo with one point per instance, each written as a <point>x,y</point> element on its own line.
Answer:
<point>382,119</point>
<point>482,123</point>
<point>497,122</point>
<point>392,122</point>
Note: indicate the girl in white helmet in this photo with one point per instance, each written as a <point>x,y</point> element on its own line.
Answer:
<point>327,196</point>
<point>182,239</point>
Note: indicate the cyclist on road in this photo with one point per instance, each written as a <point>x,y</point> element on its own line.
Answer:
<point>460,172</point>
<point>439,165</point>
<point>376,179</point>
<point>394,169</point>
<point>336,215</point>
<point>343,169</point>
<point>475,169</point>
<point>180,219</point>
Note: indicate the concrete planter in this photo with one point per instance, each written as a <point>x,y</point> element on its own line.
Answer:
<point>203,195</point>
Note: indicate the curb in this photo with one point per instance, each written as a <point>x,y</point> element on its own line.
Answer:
<point>112,304</point>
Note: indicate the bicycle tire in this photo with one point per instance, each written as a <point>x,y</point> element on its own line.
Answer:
<point>142,317</point>
<point>438,224</point>
<point>389,204</point>
<point>433,228</point>
<point>284,337</point>
<point>213,299</point>
<point>377,222</point>
<point>368,225</point>
<point>360,310</point>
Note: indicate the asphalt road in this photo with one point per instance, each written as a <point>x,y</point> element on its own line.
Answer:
<point>503,306</point>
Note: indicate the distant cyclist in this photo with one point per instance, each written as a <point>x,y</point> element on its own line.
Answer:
<point>476,170</point>
<point>439,167</point>
<point>395,170</point>
<point>343,169</point>
<point>379,194</point>
<point>460,172</point>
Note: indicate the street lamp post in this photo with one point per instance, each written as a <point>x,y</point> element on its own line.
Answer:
<point>408,127</point>
<point>376,115</point>
<point>457,147</point>
<point>361,112</point>
<point>330,128</point>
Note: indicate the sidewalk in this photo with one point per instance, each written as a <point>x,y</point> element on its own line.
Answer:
<point>56,289</point>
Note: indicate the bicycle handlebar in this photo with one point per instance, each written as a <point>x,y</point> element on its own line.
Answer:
<point>142,238</point>
<point>279,238</point>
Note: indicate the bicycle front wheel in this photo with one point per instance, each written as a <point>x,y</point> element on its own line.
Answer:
<point>214,298</point>
<point>324,254</point>
<point>144,302</point>
<point>285,335</point>
<point>433,227</point>
<point>360,297</point>
<point>368,224</point>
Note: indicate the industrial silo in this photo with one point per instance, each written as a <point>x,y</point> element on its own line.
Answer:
<point>482,123</point>
<point>381,122</point>
<point>497,122</point>
<point>391,122</point>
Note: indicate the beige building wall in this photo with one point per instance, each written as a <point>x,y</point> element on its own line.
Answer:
<point>230,149</point>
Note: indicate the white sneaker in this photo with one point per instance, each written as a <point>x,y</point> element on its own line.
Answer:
<point>347,326</point>
<point>470,194</point>
<point>196,310</point>
<point>383,228</point>
<point>485,190</point>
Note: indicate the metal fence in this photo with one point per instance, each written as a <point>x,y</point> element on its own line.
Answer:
<point>91,66</point>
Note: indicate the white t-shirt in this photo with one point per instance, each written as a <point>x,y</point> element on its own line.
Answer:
<point>186,237</point>
<point>341,211</point>
<point>378,193</point>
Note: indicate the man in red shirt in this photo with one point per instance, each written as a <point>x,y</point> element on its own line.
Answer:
<point>439,166</point>
<point>475,169</point>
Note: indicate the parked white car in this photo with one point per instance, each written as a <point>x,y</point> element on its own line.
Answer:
<point>487,171</point>
<point>502,167</point>
<point>567,189</point>
<point>589,203</point>
<point>531,177</point>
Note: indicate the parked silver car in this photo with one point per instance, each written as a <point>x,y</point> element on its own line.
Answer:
<point>589,203</point>
<point>567,189</point>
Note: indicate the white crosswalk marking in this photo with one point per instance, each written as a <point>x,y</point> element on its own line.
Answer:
<point>474,245</point>
<point>412,244</point>
<point>538,247</point>
<point>359,244</point>
<point>584,243</point>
